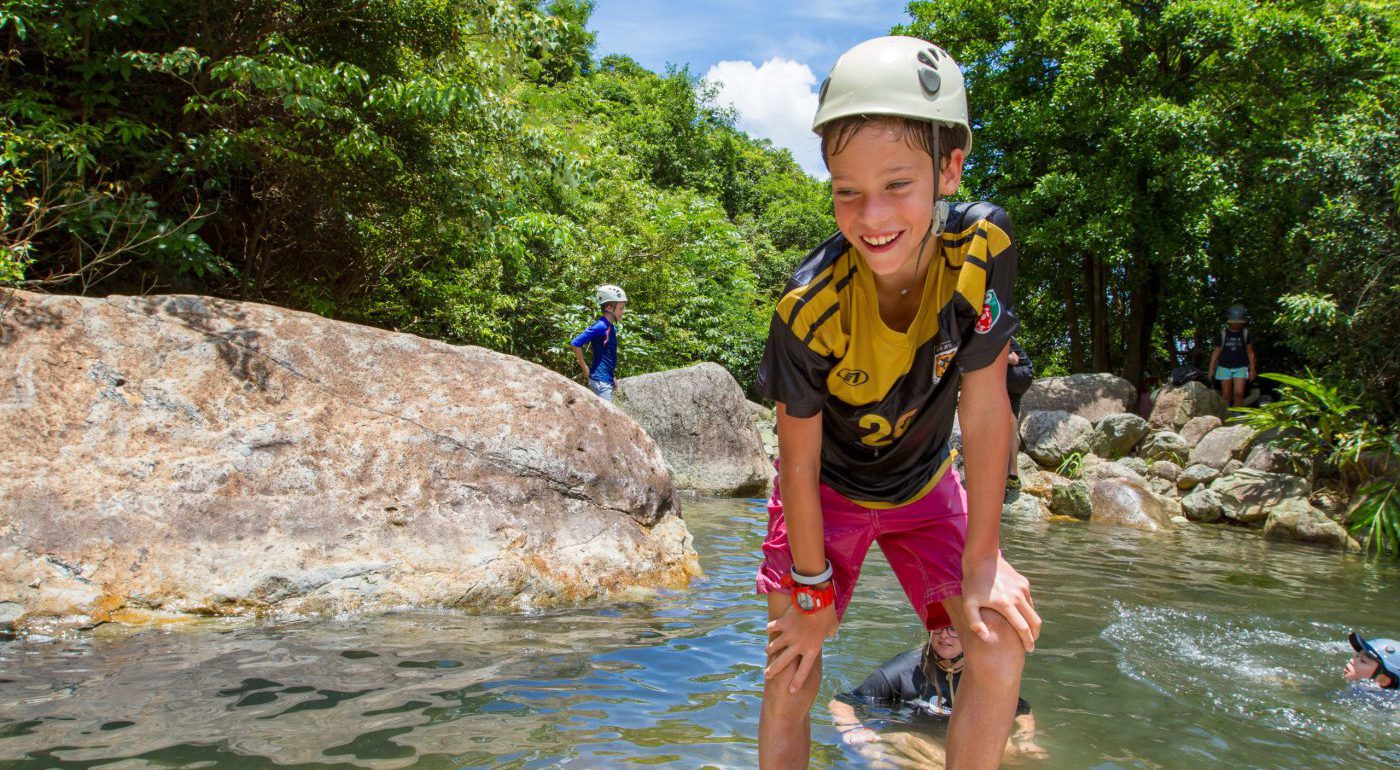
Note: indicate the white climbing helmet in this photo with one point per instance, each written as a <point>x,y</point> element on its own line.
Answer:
<point>610,293</point>
<point>896,76</point>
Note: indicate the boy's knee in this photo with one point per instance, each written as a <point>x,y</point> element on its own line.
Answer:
<point>778,702</point>
<point>1005,655</point>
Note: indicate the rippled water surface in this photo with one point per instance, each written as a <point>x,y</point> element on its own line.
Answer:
<point>1204,648</point>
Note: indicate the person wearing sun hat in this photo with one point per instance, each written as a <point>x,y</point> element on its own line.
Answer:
<point>1377,659</point>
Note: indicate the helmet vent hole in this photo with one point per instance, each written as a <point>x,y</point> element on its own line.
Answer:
<point>929,57</point>
<point>930,81</point>
<point>821,94</point>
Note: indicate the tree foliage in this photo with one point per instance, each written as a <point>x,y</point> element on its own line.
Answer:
<point>1165,159</point>
<point>460,170</point>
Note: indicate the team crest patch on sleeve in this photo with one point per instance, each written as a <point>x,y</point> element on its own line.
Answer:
<point>991,313</point>
<point>942,358</point>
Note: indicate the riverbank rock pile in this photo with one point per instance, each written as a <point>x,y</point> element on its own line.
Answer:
<point>1085,455</point>
<point>704,426</point>
<point>168,456</point>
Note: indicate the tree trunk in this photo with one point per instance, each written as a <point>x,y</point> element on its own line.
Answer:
<point>1141,317</point>
<point>1076,338</point>
<point>1098,312</point>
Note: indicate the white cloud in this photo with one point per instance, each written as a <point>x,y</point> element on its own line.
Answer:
<point>773,101</point>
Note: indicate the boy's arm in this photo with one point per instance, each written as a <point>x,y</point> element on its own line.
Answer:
<point>984,411</point>
<point>796,637</point>
<point>578,353</point>
<point>1214,357</point>
<point>1252,367</point>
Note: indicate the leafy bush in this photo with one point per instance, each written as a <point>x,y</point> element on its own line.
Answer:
<point>1314,419</point>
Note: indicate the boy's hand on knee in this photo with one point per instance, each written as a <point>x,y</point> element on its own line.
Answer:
<point>996,585</point>
<point>796,637</point>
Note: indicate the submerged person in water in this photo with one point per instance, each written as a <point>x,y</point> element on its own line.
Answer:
<point>926,678</point>
<point>1377,659</point>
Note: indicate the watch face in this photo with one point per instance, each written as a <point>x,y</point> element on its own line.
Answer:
<point>805,601</point>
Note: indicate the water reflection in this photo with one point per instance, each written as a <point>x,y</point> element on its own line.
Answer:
<point>1204,647</point>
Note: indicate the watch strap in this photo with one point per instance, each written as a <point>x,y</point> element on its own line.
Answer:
<point>810,580</point>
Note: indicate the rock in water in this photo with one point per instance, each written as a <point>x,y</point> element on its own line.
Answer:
<point>187,455</point>
<point>705,428</point>
<point>1130,504</point>
<point>1295,519</point>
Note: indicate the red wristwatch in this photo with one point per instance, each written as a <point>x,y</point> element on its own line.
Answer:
<point>808,599</point>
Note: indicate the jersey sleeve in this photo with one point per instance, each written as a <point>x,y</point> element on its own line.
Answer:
<point>791,372</point>
<point>596,331</point>
<point>998,320</point>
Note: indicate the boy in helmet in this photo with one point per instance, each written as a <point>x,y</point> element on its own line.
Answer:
<point>1377,659</point>
<point>875,336</point>
<point>1232,363</point>
<point>602,336</point>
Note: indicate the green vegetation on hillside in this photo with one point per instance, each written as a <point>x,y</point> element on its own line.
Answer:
<point>468,170</point>
<point>1164,160</point>
<point>460,170</point>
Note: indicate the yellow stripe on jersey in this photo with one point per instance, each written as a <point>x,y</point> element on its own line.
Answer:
<point>813,311</point>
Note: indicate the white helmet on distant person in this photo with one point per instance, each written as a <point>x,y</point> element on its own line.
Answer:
<point>609,293</point>
<point>896,76</point>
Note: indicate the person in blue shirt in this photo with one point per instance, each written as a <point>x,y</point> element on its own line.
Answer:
<point>602,338</point>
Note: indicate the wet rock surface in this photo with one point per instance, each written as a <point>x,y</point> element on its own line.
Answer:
<point>184,455</point>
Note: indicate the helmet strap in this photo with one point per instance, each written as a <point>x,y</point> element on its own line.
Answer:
<point>940,215</point>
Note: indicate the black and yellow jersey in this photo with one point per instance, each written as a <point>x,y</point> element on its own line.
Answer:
<point>887,399</point>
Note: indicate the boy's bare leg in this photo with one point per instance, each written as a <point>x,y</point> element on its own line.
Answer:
<point>986,698</point>
<point>785,720</point>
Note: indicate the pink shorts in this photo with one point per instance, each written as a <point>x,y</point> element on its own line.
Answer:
<point>923,542</point>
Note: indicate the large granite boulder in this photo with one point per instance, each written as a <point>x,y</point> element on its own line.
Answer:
<point>169,456</point>
<point>1176,406</point>
<point>1222,445</point>
<point>1131,504</point>
<point>1296,520</point>
<point>706,429</point>
<point>1164,445</point>
<point>1247,496</point>
<point>1196,428</point>
<point>1049,436</point>
<point>1091,396</point>
<point>1117,434</point>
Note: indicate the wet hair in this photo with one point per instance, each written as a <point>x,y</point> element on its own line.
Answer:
<point>916,133</point>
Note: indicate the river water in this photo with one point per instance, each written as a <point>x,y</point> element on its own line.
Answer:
<point>1205,648</point>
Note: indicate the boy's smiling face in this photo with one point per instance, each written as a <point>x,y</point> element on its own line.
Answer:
<point>882,191</point>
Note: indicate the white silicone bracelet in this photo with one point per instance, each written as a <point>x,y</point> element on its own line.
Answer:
<point>804,580</point>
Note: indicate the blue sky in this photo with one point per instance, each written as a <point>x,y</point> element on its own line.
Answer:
<point>767,57</point>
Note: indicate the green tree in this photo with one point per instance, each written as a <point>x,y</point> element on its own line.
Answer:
<point>1145,151</point>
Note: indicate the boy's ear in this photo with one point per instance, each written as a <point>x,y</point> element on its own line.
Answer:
<point>1385,680</point>
<point>951,175</point>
